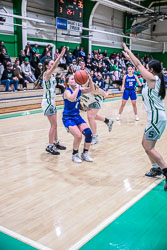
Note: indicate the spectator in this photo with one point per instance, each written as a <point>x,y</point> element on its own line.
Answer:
<point>35,60</point>
<point>59,82</point>
<point>18,74</point>
<point>38,74</point>
<point>46,57</point>
<point>29,51</point>
<point>4,57</point>
<point>46,50</point>
<point>2,46</point>
<point>99,81</point>
<point>63,63</point>
<point>70,70</point>
<point>89,62</point>
<point>69,58</point>
<point>35,49</point>
<point>26,69</point>
<point>9,78</point>
<point>76,52</point>
<point>56,55</point>
<point>22,56</point>
<point>82,53</point>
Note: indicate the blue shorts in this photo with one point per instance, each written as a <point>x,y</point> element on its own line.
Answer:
<point>129,93</point>
<point>72,121</point>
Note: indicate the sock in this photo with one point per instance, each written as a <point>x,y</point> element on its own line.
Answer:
<point>85,150</point>
<point>50,145</point>
<point>56,142</point>
<point>154,165</point>
<point>106,120</point>
<point>75,152</point>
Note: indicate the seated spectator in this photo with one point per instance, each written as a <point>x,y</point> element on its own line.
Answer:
<point>46,57</point>
<point>38,74</point>
<point>76,52</point>
<point>22,56</point>
<point>99,81</point>
<point>83,67</point>
<point>34,61</point>
<point>108,82</point>
<point>62,63</point>
<point>89,62</point>
<point>46,50</point>
<point>26,69</point>
<point>56,55</point>
<point>70,70</point>
<point>9,78</point>
<point>4,57</point>
<point>69,58</point>
<point>18,74</point>
<point>2,46</point>
<point>60,83</point>
<point>29,51</point>
<point>82,53</point>
<point>35,49</point>
<point>105,53</point>
<point>114,76</point>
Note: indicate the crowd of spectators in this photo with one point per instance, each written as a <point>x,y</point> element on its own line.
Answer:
<point>106,69</point>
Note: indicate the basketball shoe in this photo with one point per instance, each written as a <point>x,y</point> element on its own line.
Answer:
<point>58,146</point>
<point>110,124</point>
<point>52,150</point>
<point>76,158</point>
<point>154,172</point>
<point>86,157</point>
<point>94,139</point>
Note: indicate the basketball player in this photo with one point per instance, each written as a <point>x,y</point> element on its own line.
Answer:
<point>92,103</point>
<point>48,103</point>
<point>72,120</point>
<point>129,83</point>
<point>153,94</point>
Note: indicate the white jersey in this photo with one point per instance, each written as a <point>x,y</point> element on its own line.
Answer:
<point>87,99</point>
<point>49,93</point>
<point>49,90</point>
<point>152,102</point>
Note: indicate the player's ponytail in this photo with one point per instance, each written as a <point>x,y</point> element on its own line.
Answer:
<point>156,66</point>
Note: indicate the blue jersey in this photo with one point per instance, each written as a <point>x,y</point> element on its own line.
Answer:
<point>72,108</point>
<point>130,82</point>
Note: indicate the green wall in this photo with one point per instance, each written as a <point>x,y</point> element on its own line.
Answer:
<point>9,43</point>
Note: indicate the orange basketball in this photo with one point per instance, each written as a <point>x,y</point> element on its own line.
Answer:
<point>81,77</point>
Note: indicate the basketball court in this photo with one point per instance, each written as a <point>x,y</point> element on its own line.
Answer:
<point>57,204</point>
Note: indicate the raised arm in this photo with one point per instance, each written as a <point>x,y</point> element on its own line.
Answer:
<point>148,76</point>
<point>90,88</point>
<point>138,81</point>
<point>54,66</point>
<point>123,83</point>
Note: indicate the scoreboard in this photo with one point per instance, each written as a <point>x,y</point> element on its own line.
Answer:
<point>70,9</point>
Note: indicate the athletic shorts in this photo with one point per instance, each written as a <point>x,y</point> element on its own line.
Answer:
<point>155,127</point>
<point>129,93</point>
<point>94,105</point>
<point>49,108</point>
<point>72,121</point>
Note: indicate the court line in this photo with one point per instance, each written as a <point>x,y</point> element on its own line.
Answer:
<point>116,214</point>
<point>23,239</point>
<point>19,132</point>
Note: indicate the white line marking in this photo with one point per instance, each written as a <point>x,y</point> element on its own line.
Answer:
<point>23,239</point>
<point>106,222</point>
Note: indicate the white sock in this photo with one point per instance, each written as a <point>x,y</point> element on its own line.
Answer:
<point>56,142</point>
<point>155,165</point>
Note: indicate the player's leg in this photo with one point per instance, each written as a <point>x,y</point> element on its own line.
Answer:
<point>91,114</point>
<point>108,122</point>
<point>121,109</point>
<point>77,134</point>
<point>86,131</point>
<point>56,141</point>
<point>133,98</point>
<point>155,170</point>
<point>149,145</point>
<point>52,134</point>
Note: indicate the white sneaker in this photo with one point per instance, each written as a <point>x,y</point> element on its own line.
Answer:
<point>94,139</point>
<point>76,158</point>
<point>86,157</point>
<point>118,117</point>
<point>137,118</point>
<point>110,124</point>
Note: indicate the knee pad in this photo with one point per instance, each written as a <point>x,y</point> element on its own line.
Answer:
<point>88,135</point>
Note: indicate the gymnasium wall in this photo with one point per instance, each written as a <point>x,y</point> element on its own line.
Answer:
<point>105,18</point>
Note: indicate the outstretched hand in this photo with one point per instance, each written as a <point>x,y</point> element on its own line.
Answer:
<point>63,51</point>
<point>126,49</point>
<point>126,55</point>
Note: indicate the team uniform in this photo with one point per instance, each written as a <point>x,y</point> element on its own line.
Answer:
<point>91,101</point>
<point>71,113</point>
<point>156,116</point>
<point>48,102</point>
<point>129,91</point>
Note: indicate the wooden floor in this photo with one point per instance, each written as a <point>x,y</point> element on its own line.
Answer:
<point>55,202</point>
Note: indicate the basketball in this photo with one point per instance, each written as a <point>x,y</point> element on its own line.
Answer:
<point>81,77</point>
